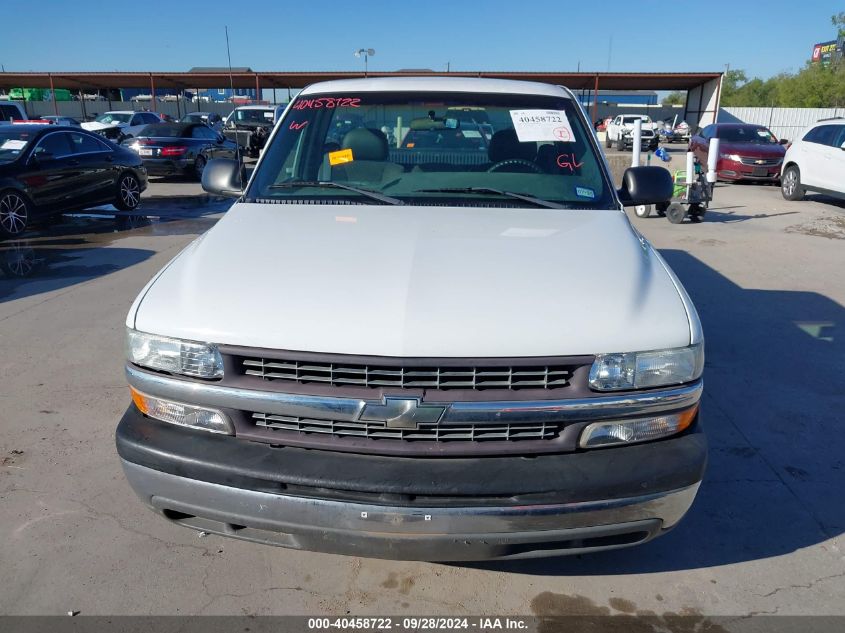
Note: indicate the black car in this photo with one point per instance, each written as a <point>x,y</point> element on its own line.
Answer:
<point>46,170</point>
<point>169,149</point>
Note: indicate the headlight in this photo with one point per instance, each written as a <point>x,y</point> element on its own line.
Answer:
<point>733,157</point>
<point>180,414</point>
<point>186,358</point>
<point>633,431</point>
<point>639,370</point>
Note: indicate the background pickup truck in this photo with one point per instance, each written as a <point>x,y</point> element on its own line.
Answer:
<point>620,132</point>
<point>250,126</point>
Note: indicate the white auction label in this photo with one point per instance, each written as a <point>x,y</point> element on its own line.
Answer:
<point>541,125</point>
<point>13,144</point>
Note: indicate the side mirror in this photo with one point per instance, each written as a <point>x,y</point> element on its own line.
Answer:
<point>41,156</point>
<point>645,185</point>
<point>783,141</point>
<point>222,177</point>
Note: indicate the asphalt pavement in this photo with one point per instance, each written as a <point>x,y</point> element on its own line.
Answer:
<point>764,536</point>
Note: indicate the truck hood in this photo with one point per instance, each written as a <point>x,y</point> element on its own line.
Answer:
<point>418,282</point>
<point>93,126</point>
<point>752,150</point>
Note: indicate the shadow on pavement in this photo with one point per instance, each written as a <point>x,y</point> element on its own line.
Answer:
<point>718,215</point>
<point>773,415</point>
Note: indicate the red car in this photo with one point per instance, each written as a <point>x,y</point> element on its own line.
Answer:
<point>746,151</point>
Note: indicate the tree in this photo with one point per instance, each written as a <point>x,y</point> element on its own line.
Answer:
<point>838,21</point>
<point>731,83</point>
<point>814,86</point>
<point>674,98</point>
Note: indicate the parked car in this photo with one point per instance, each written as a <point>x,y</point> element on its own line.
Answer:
<point>121,124</point>
<point>746,151</point>
<point>816,161</point>
<point>11,112</point>
<point>391,353</point>
<point>250,126</point>
<point>620,131</point>
<point>211,119</point>
<point>169,149</point>
<point>61,120</point>
<point>47,169</point>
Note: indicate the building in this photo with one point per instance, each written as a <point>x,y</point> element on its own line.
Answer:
<point>223,94</point>
<point>615,97</point>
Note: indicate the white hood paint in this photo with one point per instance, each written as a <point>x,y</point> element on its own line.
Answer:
<point>418,281</point>
<point>93,126</point>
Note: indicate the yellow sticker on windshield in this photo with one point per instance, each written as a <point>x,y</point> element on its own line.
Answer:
<point>340,156</point>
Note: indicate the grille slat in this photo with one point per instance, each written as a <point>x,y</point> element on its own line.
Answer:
<point>767,162</point>
<point>412,377</point>
<point>435,432</point>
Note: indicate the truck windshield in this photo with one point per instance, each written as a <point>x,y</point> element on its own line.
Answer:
<point>630,120</point>
<point>433,148</point>
<point>254,116</point>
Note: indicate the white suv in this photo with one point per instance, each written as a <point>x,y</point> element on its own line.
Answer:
<point>816,162</point>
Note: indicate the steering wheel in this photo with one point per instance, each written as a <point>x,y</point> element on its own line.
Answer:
<point>516,161</point>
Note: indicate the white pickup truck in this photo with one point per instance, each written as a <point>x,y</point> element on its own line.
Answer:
<point>435,347</point>
<point>620,132</point>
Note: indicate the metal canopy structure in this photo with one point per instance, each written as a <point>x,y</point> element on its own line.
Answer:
<point>188,80</point>
<point>702,88</point>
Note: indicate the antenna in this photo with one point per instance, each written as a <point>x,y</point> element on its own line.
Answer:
<point>232,100</point>
<point>231,80</point>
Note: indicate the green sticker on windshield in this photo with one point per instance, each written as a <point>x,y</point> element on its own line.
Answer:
<point>585,192</point>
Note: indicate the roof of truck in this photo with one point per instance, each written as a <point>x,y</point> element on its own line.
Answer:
<point>437,84</point>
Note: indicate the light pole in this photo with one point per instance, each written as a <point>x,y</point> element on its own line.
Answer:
<point>367,53</point>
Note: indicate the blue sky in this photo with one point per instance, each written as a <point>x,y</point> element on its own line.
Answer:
<point>761,38</point>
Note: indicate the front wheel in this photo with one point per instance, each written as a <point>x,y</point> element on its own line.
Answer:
<point>15,214</point>
<point>620,144</point>
<point>642,210</point>
<point>676,213</point>
<point>608,143</point>
<point>790,186</point>
<point>199,167</point>
<point>128,193</point>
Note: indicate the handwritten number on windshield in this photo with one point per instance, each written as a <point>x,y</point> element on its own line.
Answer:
<point>568,161</point>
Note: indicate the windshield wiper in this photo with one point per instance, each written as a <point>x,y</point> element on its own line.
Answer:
<point>369,193</point>
<point>548,204</point>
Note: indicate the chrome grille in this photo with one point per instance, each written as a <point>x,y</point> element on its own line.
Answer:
<point>767,162</point>
<point>433,432</point>
<point>438,377</point>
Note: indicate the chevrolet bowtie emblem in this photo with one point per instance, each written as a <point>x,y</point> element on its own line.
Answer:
<point>401,413</point>
<point>760,161</point>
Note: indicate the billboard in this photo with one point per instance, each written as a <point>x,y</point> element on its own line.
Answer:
<point>825,52</point>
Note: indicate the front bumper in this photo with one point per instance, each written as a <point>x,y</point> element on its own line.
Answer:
<point>168,166</point>
<point>412,508</point>
<point>734,170</point>
<point>646,143</point>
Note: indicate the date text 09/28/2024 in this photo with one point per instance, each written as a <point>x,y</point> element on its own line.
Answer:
<point>418,623</point>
